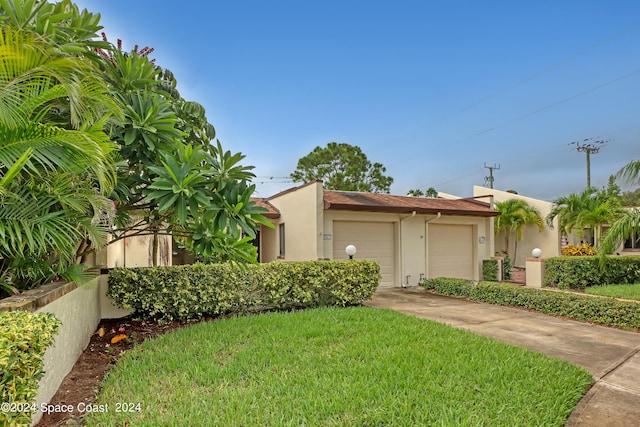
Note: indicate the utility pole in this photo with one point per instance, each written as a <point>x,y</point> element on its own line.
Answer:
<point>489,178</point>
<point>589,146</point>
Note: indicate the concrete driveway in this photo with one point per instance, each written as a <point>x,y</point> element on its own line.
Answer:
<point>611,355</point>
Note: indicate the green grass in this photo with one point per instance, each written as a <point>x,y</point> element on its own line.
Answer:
<point>337,367</point>
<point>616,291</point>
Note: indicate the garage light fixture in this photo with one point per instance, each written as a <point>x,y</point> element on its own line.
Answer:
<point>351,251</point>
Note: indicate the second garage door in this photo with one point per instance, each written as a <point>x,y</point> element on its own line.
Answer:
<point>373,240</point>
<point>450,251</point>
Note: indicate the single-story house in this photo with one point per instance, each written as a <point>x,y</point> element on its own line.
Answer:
<point>550,240</point>
<point>410,237</point>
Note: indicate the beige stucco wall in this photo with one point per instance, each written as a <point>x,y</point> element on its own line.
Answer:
<point>548,240</point>
<point>301,212</point>
<point>80,311</point>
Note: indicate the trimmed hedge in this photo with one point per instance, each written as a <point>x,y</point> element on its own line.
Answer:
<point>449,286</point>
<point>578,272</point>
<point>24,338</point>
<point>192,291</point>
<point>605,311</point>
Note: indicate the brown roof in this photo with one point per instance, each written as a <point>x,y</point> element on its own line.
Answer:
<point>376,202</point>
<point>272,211</point>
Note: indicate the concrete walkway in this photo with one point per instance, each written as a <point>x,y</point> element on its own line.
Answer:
<point>611,355</point>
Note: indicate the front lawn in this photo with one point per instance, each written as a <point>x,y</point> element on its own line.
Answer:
<point>616,291</point>
<point>336,367</point>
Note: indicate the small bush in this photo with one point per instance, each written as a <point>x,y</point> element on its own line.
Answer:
<point>449,286</point>
<point>579,272</point>
<point>490,269</point>
<point>506,266</point>
<point>192,291</point>
<point>24,338</point>
<point>583,249</point>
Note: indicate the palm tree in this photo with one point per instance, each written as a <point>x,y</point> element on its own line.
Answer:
<point>586,211</point>
<point>515,214</point>
<point>55,173</point>
<point>628,223</point>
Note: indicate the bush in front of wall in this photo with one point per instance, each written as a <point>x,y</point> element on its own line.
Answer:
<point>193,291</point>
<point>507,265</point>
<point>24,338</point>
<point>490,269</point>
<point>449,286</point>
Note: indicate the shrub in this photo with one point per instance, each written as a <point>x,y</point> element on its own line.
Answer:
<point>449,286</point>
<point>606,311</point>
<point>24,337</point>
<point>490,269</point>
<point>583,249</point>
<point>506,266</point>
<point>580,272</point>
<point>192,291</point>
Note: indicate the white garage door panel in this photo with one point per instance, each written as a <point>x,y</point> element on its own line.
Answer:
<point>373,240</point>
<point>450,251</point>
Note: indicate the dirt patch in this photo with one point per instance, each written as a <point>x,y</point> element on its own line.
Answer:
<point>82,384</point>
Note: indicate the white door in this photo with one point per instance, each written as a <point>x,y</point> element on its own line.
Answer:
<point>450,249</point>
<point>373,240</point>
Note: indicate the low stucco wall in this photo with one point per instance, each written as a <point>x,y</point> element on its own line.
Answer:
<point>80,309</point>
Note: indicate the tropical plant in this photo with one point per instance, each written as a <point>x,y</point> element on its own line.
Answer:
<point>583,249</point>
<point>342,167</point>
<point>515,214</point>
<point>172,180</point>
<point>628,222</point>
<point>54,174</point>
<point>587,211</point>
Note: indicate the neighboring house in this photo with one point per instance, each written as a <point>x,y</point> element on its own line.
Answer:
<point>134,251</point>
<point>410,237</point>
<point>549,240</point>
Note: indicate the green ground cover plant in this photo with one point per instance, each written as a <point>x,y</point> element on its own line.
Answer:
<point>616,291</point>
<point>336,366</point>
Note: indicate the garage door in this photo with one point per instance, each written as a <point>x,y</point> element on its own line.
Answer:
<point>450,251</point>
<point>373,240</point>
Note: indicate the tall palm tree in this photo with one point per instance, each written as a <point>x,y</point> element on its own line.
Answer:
<point>515,214</point>
<point>54,177</point>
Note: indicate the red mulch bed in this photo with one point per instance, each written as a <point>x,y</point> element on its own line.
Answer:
<point>83,382</point>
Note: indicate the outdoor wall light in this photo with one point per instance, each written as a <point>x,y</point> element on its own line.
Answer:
<point>537,253</point>
<point>350,250</point>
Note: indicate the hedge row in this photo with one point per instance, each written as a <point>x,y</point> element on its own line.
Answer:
<point>605,311</point>
<point>192,291</point>
<point>24,337</point>
<point>578,272</point>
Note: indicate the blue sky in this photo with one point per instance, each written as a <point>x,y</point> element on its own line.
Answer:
<point>433,90</point>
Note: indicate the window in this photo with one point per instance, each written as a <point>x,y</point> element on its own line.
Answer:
<point>633,242</point>
<point>281,239</point>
